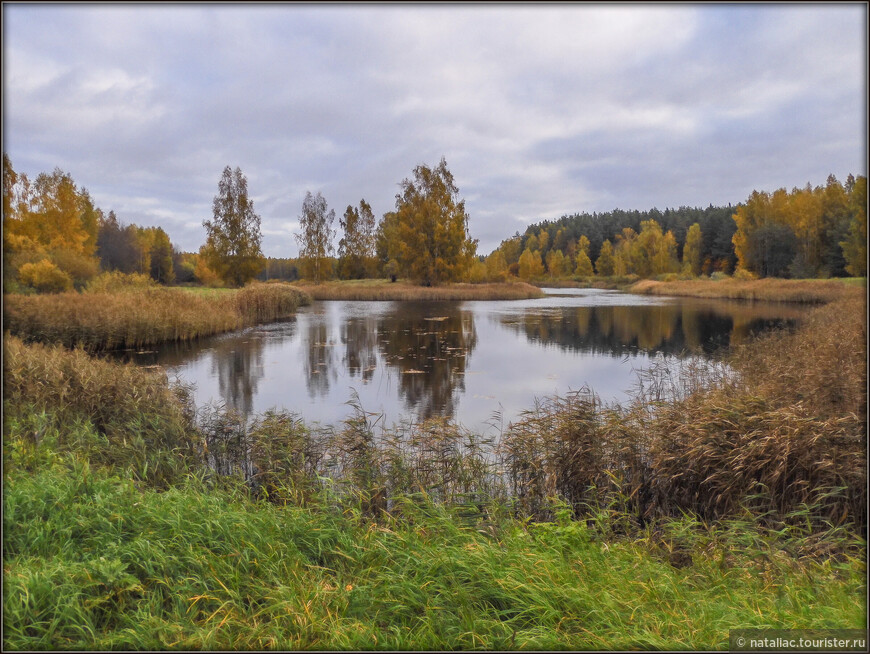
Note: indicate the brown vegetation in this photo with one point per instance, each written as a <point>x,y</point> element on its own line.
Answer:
<point>143,316</point>
<point>142,423</point>
<point>768,290</point>
<point>778,435</point>
<point>782,433</point>
<point>380,290</point>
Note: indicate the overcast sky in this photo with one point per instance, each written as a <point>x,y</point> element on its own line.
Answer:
<point>540,111</point>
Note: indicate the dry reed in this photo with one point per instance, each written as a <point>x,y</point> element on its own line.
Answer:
<point>144,423</point>
<point>403,291</point>
<point>768,290</point>
<point>137,317</point>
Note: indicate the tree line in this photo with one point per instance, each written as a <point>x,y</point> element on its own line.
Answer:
<point>56,239</point>
<point>809,232</point>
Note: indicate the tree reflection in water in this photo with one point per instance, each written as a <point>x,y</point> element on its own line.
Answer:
<point>239,368</point>
<point>667,329</point>
<point>320,361</point>
<point>359,335</point>
<point>429,346</point>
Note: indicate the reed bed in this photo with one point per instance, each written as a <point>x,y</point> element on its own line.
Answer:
<point>402,291</point>
<point>768,290</point>
<point>117,416</point>
<point>143,316</point>
<point>781,429</point>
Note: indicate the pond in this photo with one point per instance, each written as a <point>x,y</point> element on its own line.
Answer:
<point>481,363</point>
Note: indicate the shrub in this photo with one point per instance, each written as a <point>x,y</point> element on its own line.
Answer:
<point>110,282</point>
<point>79,267</point>
<point>668,277</point>
<point>743,275</point>
<point>45,277</point>
<point>719,276</point>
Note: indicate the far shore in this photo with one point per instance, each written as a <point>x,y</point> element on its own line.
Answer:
<point>809,291</point>
<point>381,289</point>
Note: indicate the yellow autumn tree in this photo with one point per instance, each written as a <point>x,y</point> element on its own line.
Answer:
<point>605,264</point>
<point>855,245</point>
<point>434,245</point>
<point>530,264</point>
<point>692,251</point>
<point>584,263</point>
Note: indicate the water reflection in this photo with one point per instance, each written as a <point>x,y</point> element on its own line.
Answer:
<point>669,329</point>
<point>320,365</point>
<point>359,335</point>
<point>429,346</point>
<point>239,369</point>
<point>467,361</point>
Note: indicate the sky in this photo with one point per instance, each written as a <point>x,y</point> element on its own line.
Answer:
<point>539,110</point>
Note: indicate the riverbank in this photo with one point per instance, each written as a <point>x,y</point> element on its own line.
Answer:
<point>809,291</point>
<point>704,506</point>
<point>136,317</point>
<point>94,562</point>
<point>379,290</point>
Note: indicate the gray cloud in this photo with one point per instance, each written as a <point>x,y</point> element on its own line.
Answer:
<point>540,111</point>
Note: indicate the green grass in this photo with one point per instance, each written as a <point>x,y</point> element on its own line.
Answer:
<point>93,562</point>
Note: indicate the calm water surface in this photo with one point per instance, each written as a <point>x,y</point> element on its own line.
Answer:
<point>467,360</point>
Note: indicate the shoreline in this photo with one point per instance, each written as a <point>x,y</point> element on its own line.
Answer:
<point>379,290</point>
<point>763,290</point>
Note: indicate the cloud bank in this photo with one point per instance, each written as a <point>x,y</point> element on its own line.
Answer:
<point>539,110</point>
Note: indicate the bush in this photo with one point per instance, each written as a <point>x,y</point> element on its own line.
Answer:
<point>79,267</point>
<point>744,275</point>
<point>718,276</point>
<point>668,277</point>
<point>45,277</point>
<point>111,282</point>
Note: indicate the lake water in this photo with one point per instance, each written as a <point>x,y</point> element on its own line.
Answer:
<point>467,360</point>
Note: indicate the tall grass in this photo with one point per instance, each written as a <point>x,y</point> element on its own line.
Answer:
<point>782,430</point>
<point>143,316</point>
<point>92,562</point>
<point>382,290</point>
<point>768,290</point>
<point>117,416</point>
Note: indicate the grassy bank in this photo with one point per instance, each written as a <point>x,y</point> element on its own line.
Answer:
<point>378,289</point>
<point>93,562</point>
<point>707,504</point>
<point>812,291</point>
<point>144,316</point>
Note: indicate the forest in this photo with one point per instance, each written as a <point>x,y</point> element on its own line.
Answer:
<point>56,239</point>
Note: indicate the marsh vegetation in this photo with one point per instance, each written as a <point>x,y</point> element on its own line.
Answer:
<point>709,503</point>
